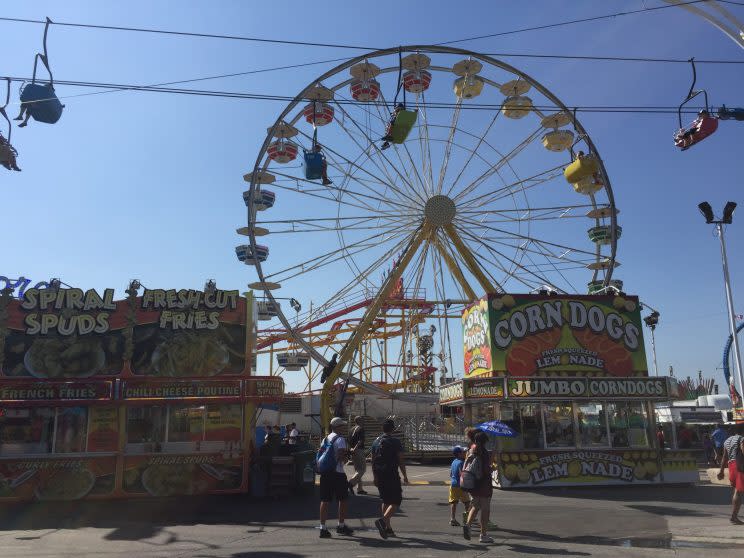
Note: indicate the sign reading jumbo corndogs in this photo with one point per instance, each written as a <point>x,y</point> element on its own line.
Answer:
<point>538,335</point>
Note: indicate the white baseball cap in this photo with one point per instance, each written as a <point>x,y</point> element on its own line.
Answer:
<point>337,421</point>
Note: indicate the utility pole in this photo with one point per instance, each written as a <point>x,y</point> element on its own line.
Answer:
<point>728,212</point>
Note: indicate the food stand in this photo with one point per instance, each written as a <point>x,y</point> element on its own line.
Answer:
<point>146,396</point>
<point>568,373</point>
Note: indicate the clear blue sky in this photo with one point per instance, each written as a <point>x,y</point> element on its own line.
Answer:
<point>147,185</point>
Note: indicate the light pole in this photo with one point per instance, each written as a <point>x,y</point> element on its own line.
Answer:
<point>651,321</point>
<point>728,212</point>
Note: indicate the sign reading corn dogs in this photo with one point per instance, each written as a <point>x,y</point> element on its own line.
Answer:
<point>538,335</point>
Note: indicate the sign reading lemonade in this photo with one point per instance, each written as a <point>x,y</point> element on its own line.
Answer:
<point>577,467</point>
<point>539,335</point>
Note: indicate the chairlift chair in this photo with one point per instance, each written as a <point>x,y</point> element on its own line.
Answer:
<point>38,100</point>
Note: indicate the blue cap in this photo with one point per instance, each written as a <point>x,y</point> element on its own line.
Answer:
<point>457,449</point>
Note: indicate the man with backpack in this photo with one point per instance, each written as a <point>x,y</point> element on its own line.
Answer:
<point>387,458</point>
<point>733,456</point>
<point>329,462</point>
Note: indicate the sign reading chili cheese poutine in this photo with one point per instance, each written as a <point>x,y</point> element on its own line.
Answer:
<point>538,335</point>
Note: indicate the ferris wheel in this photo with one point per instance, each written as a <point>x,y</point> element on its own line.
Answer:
<point>416,179</point>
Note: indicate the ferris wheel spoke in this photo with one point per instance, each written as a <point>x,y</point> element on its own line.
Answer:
<point>358,196</point>
<point>448,145</point>
<point>529,238</point>
<point>428,166</point>
<point>366,242</point>
<point>524,246</point>
<point>538,211</point>
<point>523,184</point>
<point>490,248</point>
<point>313,193</point>
<point>481,140</point>
<point>500,163</point>
<point>355,282</point>
<point>389,183</point>
<point>382,156</point>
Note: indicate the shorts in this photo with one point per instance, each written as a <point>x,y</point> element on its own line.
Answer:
<point>360,462</point>
<point>333,485</point>
<point>736,478</point>
<point>391,491</point>
<point>479,502</point>
<point>457,494</point>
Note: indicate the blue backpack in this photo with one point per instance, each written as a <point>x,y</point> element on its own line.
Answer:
<point>325,459</point>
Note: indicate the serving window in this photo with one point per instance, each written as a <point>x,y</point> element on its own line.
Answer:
<point>585,424</point>
<point>559,424</point>
<point>183,428</point>
<point>44,430</point>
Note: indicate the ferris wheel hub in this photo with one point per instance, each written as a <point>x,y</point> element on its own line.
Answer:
<point>440,210</point>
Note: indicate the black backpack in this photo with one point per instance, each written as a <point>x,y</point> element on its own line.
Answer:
<point>384,455</point>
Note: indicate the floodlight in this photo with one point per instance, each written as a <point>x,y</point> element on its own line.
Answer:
<point>728,212</point>
<point>707,211</point>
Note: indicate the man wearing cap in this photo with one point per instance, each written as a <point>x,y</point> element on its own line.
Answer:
<point>387,458</point>
<point>334,483</point>
<point>457,494</point>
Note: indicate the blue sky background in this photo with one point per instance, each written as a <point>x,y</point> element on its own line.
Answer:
<point>148,185</point>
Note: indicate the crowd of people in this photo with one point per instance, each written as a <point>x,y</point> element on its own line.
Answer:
<point>470,478</point>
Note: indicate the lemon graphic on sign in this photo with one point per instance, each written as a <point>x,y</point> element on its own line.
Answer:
<point>639,471</point>
<point>564,359</point>
<point>618,303</point>
<point>574,468</point>
<point>496,304</point>
<point>511,472</point>
<point>524,475</point>
<point>652,469</point>
<point>508,301</point>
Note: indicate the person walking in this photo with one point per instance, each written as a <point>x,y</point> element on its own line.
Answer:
<point>387,458</point>
<point>660,438</point>
<point>333,481</point>
<point>358,457</point>
<point>482,492</point>
<point>732,449</point>
<point>292,434</point>
<point>719,437</point>
<point>457,494</point>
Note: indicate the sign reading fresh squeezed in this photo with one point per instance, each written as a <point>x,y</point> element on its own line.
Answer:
<point>537,335</point>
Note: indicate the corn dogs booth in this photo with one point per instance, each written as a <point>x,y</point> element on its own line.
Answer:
<point>146,396</point>
<point>569,375</point>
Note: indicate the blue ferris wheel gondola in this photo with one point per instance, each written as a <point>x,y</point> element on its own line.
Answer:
<point>245,254</point>
<point>263,200</point>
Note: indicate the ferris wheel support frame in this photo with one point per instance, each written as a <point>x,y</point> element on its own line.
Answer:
<point>370,314</point>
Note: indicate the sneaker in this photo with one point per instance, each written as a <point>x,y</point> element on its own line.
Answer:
<point>350,487</point>
<point>345,530</point>
<point>466,532</point>
<point>390,532</point>
<point>325,534</point>
<point>360,491</point>
<point>385,146</point>
<point>327,182</point>
<point>486,539</point>
<point>454,523</point>
<point>381,527</point>
<point>736,521</point>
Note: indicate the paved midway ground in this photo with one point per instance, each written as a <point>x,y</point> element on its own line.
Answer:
<point>633,521</point>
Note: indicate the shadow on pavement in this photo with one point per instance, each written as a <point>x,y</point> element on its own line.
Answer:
<point>523,549</point>
<point>709,494</point>
<point>655,542</point>
<point>145,519</point>
<point>672,511</point>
